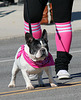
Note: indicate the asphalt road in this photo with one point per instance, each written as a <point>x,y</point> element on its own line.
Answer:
<point>68,89</point>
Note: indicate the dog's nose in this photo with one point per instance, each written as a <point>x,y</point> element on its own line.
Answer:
<point>43,51</point>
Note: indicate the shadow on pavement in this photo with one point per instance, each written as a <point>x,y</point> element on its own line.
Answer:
<point>5,13</point>
<point>75,75</point>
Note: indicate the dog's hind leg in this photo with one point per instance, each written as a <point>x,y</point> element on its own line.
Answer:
<point>40,79</point>
<point>15,70</point>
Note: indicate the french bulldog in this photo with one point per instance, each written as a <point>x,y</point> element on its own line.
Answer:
<point>33,58</point>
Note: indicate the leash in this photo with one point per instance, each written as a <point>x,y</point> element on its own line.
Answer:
<point>28,17</point>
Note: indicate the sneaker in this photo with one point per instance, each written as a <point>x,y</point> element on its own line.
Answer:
<point>63,74</point>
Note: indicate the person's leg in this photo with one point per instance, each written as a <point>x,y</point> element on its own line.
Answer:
<point>62,17</point>
<point>36,8</point>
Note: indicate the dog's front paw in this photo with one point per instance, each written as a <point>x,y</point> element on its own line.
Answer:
<point>30,87</point>
<point>53,85</point>
<point>11,85</point>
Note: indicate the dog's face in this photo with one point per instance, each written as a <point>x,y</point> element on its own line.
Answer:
<point>38,48</point>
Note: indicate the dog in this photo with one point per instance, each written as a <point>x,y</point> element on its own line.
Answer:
<point>34,53</point>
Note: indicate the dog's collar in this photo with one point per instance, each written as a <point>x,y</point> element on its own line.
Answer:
<point>48,61</point>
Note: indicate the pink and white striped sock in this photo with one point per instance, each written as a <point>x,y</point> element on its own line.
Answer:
<point>36,29</point>
<point>63,36</point>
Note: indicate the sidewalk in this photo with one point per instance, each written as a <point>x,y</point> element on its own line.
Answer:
<point>12,23</point>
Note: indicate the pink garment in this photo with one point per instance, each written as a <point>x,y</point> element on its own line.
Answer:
<point>63,36</point>
<point>48,61</point>
<point>36,29</point>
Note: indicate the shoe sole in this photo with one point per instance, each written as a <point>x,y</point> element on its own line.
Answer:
<point>63,77</point>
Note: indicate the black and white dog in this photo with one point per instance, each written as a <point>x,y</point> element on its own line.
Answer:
<point>33,58</point>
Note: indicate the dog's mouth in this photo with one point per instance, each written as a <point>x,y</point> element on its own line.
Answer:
<point>41,57</point>
<point>42,53</point>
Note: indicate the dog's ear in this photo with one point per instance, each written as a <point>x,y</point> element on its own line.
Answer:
<point>29,38</point>
<point>44,35</point>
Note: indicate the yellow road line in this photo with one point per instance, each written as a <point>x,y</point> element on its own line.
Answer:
<point>23,91</point>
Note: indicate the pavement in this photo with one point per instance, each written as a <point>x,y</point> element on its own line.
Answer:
<point>12,22</point>
<point>69,89</point>
<point>12,25</point>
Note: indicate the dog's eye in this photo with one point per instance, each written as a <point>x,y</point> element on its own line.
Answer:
<point>38,46</point>
<point>44,44</point>
<point>35,46</point>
